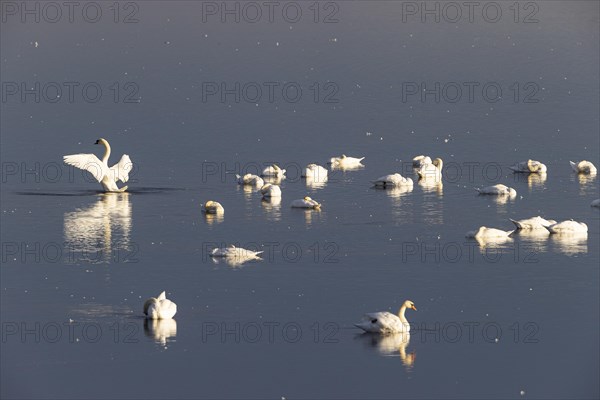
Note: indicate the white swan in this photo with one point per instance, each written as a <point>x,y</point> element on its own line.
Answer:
<point>488,233</point>
<point>108,177</point>
<point>273,171</point>
<point>213,207</point>
<point>529,166</point>
<point>568,227</point>
<point>584,167</point>
<point>386,322</point>
<point>270,190</point>
<point>160,307</point>
<point>235,252</point>
<point>346,162</point>
<point>315,172</point>
<point>498,190</point>
<point>431,171</point>
<point>250,179</point>
<point>533,223</point>
<point>419,161</point>
<point>392,180</point>
<point>595,203</point>
<point>306,202</point>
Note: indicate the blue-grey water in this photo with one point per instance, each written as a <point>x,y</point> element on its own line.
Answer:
<point>511,320</point>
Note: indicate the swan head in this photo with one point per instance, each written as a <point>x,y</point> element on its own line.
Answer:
<point>438,163</point>
<point>410,304</point>
<point>101,141</point>
<point>307,198</point>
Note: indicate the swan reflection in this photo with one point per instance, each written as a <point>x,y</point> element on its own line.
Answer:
<point>100,232</point>
<point>161,330</point>
<point>537,239</point>
<point>313,183</point>
<point>212,219</point>
<point>391,345</point>
<point>272,205</point>
<point>587,182</point>
<point>536,181</point>
<point>570,243</point>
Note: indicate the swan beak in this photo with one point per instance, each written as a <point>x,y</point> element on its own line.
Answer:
<point>97,142</point>
<point>414,308</point>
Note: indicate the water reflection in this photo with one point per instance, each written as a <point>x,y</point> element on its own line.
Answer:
<point>272,205</point>
<point>570,244</point>
<point>391,345</point>
<point>212,219</point>
<point>587,183</point>
<point>313,183</point>
<point>536,181</point>
<point>161,330</point>
<point>492,246</point>
<point>431,185</point>
<point>99,232</point>
<point>537,239</point>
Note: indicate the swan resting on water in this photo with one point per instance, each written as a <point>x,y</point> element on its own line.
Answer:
<point>392,180</point>
<point>345,162</point>
<point>432,170</point>
<point>270,190</point>
<point>273,171</point>
<point>385,322</point>
<point>568,227</point>
<point>306,202</point>
<point>488,233</point>
<point>250,179</point>
<point>498,190</point>
<point>236,252</point>
<point>315,172</point>
<point>108,177</point>
<point>160,307</point>
<point>584,167</point>
<point>533,223</point>
<point>213,207</point>
<point>529,166</point>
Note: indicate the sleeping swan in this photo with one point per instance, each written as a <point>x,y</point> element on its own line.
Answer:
<point>345,162</point>
<point>431,171</point>
<point>392,180</point>
<point>306,202</point>
<point>108,177</point>
<point>584,167</point>
<point>385,322</point>
<point>532,223</point>
<point>498,190</point>
<point>159,307</point>
<point>529,166</point>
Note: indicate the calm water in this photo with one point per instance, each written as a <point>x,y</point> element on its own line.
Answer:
<point>512,320</point>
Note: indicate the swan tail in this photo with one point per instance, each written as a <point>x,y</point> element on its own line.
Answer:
<point>517,223</point>
<point>574,166</point>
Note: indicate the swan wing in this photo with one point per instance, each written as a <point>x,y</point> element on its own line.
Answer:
<point>120,171</point>
<point>89,163</point>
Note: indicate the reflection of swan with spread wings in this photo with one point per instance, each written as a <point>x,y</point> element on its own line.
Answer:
<point>95,233</point>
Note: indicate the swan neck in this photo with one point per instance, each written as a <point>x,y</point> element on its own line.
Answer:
<point>401,314</point>
<point>107,153</point>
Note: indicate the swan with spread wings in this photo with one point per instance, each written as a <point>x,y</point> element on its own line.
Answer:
<point>107,176</point>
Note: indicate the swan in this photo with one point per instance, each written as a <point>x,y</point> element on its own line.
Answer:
<point>213,207</point>
<point>498,190</point>
<point>419,161</point>
<point>392,180</point>
<point>488,233</point>
<point>386,322</point>
<point>584,167</point>
<point>270,190</point>
<point>533,223</point>
<point>273,171</point>
<point>234,252</point>
<point>595,203</point>
<point>568,227</point>
<point>345,162</point>
<point>315,172</point>
<point>250,179</point>
<point>433,170</point>
<point>306,202</point>
<point>529,166</point>
<point>108,177</point>
<point>159,307</point>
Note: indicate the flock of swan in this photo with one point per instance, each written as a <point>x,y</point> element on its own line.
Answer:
<point>161,308</point>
